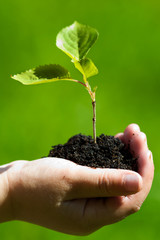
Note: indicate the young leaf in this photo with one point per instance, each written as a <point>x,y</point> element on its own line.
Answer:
<point>86,67</point>
<point>43,74</point>
<point>76,40</point>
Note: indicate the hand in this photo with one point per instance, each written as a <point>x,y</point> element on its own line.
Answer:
<point>66,197</point>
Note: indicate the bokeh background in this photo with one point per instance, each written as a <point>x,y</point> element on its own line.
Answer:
<point>33,118</point>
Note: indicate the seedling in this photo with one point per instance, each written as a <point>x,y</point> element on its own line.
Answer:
<point>109,152</point>
<point>75,41</point>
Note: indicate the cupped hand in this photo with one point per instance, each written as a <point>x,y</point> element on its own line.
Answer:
<point>66,197</point>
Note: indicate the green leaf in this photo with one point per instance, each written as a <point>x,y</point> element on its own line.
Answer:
<point>76,40</point>
<point>43,74</point>
<point>86,67</point>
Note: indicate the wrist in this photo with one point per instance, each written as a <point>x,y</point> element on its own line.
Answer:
<point>9,178</point>
<point>5,200</point>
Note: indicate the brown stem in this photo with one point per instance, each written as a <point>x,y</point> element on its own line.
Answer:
<point>94,120</point>
<point>92,94</point>
<point>79,82</point>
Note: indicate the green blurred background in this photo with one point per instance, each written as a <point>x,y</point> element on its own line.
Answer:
<point>33,118</point>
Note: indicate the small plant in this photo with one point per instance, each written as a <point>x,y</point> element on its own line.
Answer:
<point>76,41</point>
<point>108,152</point>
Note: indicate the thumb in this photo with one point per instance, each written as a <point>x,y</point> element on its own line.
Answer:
<point>91,183</point>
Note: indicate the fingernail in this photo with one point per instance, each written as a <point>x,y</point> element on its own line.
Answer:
<point>131,182</point>
<point>136,127</point>
<point>150,156</point>
<point>143,135</point>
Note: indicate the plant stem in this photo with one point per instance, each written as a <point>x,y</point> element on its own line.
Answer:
<point>94,120</point>
<point>92,94</point>
<point>73,80</point>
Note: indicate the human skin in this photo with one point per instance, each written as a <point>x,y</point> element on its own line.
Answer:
<point>73,199</point>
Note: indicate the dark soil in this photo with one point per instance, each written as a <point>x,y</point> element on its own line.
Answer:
<point>108,152</point>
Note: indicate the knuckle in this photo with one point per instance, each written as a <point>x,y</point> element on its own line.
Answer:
<point>66,178</point>
<point>143,136</point>
<point>132,127</point>
<point>135,208</point>
<point>135,127</point>
<point>104,183</point>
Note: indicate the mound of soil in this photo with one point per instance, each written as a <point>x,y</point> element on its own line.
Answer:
<point>108,152</point>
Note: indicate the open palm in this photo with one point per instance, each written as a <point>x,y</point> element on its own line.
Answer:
<point>63,196</point>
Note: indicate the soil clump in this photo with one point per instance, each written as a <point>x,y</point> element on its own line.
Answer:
<point>108,152</point>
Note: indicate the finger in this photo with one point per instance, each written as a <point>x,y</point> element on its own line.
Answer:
<point>89,183</point>
<point>121,207</point>
<point>138,144</point>
<point>107,210</point>
<point>132,203</point>
<point>130,131</point>
<point>120,136</point>
<point>146,168</point>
